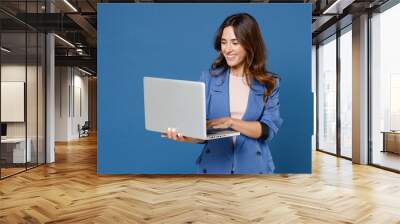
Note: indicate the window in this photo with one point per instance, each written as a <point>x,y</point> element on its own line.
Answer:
<point>385,88</point>
<point>327,95</point>
<point>346,75</point>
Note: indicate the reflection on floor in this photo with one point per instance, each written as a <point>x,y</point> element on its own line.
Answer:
<point>10,169</point>
<point>386,159</point>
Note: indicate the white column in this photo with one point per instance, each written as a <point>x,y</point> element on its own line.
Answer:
<point>50,92</point>
<point>50,100</point>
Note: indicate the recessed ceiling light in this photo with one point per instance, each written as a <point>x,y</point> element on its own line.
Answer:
<point>5,50</point>
<point>337,7</point>
<point>84,71</point>
<point>64,40</point>
<point>70,5</point>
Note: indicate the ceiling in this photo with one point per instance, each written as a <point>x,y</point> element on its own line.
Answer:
<point>76,22</point>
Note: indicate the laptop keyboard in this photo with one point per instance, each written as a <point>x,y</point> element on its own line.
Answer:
<point>217,130</point>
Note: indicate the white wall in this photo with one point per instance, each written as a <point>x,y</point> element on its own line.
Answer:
<point>71,92</point>
<point>13,73</point>
<point>79,112</point>
<point>61,103</point>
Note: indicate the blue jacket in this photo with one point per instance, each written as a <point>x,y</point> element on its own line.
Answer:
<point>248,155</point>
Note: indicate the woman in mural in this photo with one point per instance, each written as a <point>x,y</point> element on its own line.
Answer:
<point>241,95</point>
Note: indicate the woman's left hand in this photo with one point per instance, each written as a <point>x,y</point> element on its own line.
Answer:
<point>221,123</point>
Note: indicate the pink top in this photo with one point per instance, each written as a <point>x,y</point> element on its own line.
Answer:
<point>238,97</point>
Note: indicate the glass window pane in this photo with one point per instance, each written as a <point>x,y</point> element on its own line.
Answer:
<point>386,89</point>
<point>31,101</point>
<point>31,86</point>
<point>346,94</point>
<point>41,98</point>
<point>23,88</point>
<point>314,92</point>
<point>13,86</point>
<point>327,96</point>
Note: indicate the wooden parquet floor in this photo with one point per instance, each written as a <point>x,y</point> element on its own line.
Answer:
<point>70,191</point>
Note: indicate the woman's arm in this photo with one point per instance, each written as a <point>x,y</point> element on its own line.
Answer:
<point>251,129</point>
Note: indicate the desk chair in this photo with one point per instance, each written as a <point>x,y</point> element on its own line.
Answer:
<point>84,130</point>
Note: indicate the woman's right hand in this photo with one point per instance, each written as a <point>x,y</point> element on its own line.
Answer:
<point>173,134</point>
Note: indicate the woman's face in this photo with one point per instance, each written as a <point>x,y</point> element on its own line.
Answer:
<point>232,50</point>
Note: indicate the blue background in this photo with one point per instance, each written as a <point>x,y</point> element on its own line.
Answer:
<point>176,41</point>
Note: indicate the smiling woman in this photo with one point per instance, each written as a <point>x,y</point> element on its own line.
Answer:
<point>241,95</point>
<point>232,50</point>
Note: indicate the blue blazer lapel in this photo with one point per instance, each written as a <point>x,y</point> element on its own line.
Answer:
<point>220,85</point>
<point>255,103</point>
<point>220,96</point>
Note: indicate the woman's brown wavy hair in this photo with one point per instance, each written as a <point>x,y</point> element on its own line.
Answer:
<point>249,36</point>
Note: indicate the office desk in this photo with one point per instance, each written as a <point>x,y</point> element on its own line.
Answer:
<point>13,150</point>
<point>391,141</point>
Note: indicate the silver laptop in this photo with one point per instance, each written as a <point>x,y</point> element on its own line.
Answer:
<point>179,104</point>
